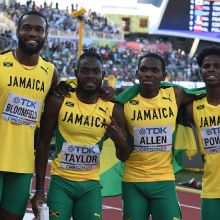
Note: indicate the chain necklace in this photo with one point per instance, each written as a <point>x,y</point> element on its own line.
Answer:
<point>93,111</point>
<point>24,66</point>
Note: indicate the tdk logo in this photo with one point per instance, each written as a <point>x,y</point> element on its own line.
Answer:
<point>25,102</point>
<point>213,131</point>
<point>150,131</point>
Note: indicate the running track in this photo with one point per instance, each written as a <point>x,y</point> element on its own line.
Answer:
<point>112,209</point>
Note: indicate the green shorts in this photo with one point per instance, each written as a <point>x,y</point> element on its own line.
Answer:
<point>79,199</point>
<point>210,209</point>
<point>158,199</point>
<point>15,191</point>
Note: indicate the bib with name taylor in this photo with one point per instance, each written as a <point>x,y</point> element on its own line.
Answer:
<point>207,122</point>
<point>79,138</point>
<point>22,93</point>
<point>151,123</point>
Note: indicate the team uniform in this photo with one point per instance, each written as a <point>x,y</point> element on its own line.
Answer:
<point>207,122</point>
<point>74,188</point>
<point>148,182</point>
<point>22,93</point>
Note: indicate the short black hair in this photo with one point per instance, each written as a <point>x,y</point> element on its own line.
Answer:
<point>156,56</point>
<point>37,13</point>
<point>89,53</point>
<point>213,50</point>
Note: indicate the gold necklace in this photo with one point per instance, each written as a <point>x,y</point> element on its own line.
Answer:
<point>77,101</point>
<point>23,66</point>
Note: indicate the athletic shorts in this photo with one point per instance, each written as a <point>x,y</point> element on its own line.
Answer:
<point>210,209</point>
<point>158,199</point>
<point>79,199</point>
<point>15,191</point>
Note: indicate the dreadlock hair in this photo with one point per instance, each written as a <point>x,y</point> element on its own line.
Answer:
<point>156,56</point>
<point>37,13</point>
<point>89,53</point>
<point>214,50</point>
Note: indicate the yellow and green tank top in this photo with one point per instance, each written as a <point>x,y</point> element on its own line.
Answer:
<point>151,124</point>
<point>79,138</point>
<point>22,93</point>
<point>207,122</point>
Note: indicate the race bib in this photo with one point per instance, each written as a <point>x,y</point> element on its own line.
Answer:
<point>211,139</point>
<point>76,157</point>
<point>153,139</point>
<point>21,110</point>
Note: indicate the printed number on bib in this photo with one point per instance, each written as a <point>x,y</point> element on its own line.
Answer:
<point>77,157</point>
<point>153,139</point>
<point>21,110</point>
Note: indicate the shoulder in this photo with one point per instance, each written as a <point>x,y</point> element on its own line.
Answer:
<point>4,55</point>
<point>53,99</point>
<point>4,52</point>
<point>47,64</point>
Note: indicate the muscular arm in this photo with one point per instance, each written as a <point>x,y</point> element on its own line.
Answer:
<point>117,131</point>
<point>182,97</point>
<point>47,125</point>
<point>54,82</point>
<point>189,112</point>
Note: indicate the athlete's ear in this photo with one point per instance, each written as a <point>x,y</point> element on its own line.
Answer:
<point>136,73</point>
<point>17,32</point>
<point>46,35</point>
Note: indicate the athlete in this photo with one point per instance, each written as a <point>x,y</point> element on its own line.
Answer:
<point>82,123</point>
<point>205,114</point>
<point>25,81</point>
<point>148,186</point>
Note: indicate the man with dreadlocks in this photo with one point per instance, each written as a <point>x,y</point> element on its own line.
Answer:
<point>82,123</point>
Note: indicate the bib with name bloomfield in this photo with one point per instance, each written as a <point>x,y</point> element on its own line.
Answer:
<point>21,110</point>
<point>22,95</point>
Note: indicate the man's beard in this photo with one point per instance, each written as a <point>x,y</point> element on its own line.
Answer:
<point>30,50</point>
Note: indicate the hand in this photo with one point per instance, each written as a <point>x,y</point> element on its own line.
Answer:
<point>63,89</point>
<point>113,129</point>
<point>107,94</point>
<point>37,200</point>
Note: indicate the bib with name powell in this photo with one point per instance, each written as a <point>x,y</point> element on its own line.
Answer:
<point>211,139</point>
<point>21,110</point>
<point>153,139</point>
<point>77,157</point>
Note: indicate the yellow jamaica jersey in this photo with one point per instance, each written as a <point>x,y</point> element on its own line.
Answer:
<point>22,93</point>
<point>151,123</point>
<point>207,122</point>
<point>79,138</point>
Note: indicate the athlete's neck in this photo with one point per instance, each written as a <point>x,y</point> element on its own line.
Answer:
<point>26,59</point>
<point>148,92</point>
<point>213,97</point>
<point>87,98</point>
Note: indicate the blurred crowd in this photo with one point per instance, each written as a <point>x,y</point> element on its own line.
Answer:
<point>120,62</point>
<point>60,19</point>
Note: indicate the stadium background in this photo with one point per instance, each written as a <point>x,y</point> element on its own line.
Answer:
<point>122,31</point>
